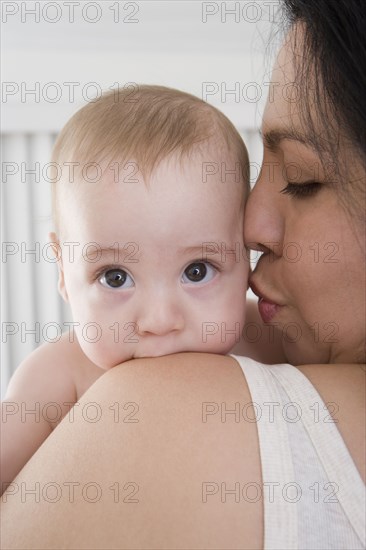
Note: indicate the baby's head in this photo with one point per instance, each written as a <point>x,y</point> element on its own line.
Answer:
<point>148,207</point>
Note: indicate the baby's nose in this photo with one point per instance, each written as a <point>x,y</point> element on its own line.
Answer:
<point>160,317</point>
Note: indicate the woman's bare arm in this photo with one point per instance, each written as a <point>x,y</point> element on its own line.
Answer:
<point>150,457</point>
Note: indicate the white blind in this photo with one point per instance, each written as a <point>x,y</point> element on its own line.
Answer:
<point>32,311</point>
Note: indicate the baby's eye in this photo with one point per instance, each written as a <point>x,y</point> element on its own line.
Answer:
<point>116,278</point>
<point>198,272</point>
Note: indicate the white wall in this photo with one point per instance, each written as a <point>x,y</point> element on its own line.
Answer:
<point>196,46</point>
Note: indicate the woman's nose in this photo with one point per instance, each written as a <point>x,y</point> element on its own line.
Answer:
<point>263,221</point>
<point>160,315</point>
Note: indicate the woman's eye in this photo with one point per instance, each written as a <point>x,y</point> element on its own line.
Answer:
<point>116,278</point>
<point>198,272</point>
<point>301,190</point>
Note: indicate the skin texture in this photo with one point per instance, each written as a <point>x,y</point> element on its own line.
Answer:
<point>171,452</point>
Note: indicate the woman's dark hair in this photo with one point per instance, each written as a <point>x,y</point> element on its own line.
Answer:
<point>332,72</point>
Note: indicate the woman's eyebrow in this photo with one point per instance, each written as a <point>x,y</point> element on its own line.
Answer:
<point>272,138</point>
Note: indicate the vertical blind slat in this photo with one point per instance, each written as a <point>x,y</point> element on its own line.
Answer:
<point>48,307</point>
<point>20,314</point>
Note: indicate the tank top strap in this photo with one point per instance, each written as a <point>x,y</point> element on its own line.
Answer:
<point>280,528</point>
<point>328,442</point>
<point>275,388</point>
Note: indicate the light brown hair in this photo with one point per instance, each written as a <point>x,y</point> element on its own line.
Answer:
<point>144,125</point>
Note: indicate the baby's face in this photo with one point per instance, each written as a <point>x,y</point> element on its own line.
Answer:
<point>158,268</point>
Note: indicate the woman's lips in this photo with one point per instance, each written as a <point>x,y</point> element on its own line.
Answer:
<point>267,310</point>
<point>266,307</point>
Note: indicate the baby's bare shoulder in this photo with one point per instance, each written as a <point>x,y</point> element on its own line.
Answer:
<point>83,371</point>
<point>53,372</point>
<point>44,372</point>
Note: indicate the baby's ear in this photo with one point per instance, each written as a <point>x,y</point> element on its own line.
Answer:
<point>55,243</point>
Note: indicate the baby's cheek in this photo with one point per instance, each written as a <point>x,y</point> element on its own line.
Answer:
<point>225,328</point>
<point>221,342</point>
<point>102,347</point>
<point>235,321</point>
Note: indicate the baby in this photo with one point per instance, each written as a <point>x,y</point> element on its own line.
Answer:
<point>149,240</point>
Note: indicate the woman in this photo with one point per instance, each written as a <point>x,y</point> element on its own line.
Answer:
<point>203,467</point>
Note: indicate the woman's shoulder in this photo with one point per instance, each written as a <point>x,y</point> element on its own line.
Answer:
<point>219,389</point>
<point>205,371</point>
<point>195,388</point>
<point>197,375</point>
<point>167,428</point>
<point>200,450</point>
<point>172,431</point>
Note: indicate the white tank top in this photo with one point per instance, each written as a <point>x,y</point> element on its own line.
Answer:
<point>314,497</point>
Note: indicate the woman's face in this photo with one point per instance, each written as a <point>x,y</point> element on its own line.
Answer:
<point>311,276</point>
